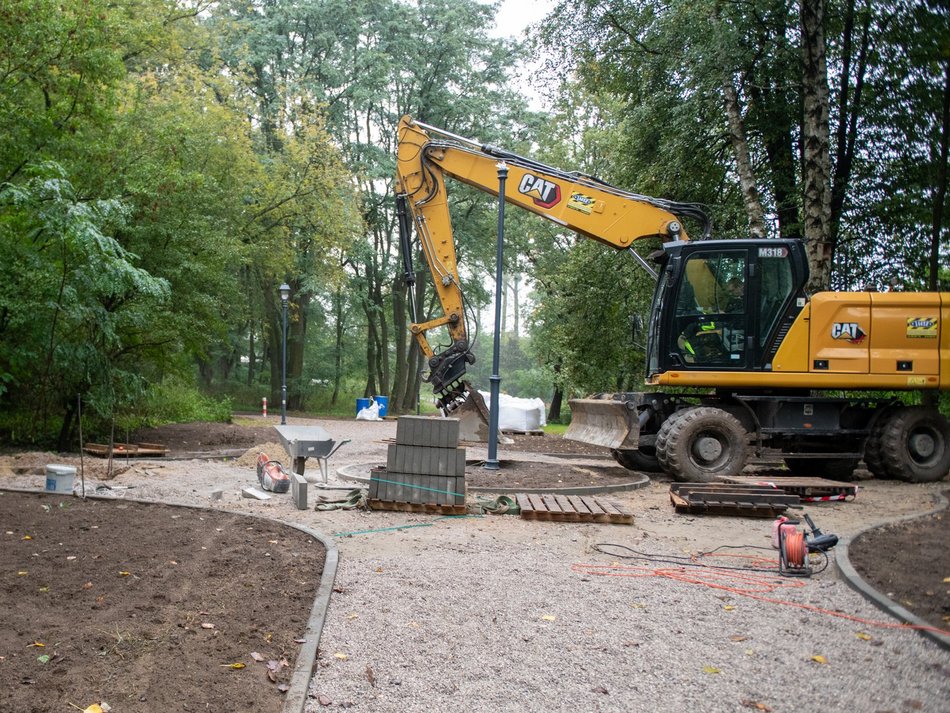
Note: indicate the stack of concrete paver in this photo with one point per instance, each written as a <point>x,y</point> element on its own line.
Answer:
<point>425,465</point>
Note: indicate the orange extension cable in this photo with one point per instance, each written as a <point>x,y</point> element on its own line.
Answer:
<point>742,582</point>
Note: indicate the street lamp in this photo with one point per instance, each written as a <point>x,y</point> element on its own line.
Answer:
<point>284,296</point>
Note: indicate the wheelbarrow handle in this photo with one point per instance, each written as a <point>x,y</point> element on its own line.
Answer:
<point>337,447</point>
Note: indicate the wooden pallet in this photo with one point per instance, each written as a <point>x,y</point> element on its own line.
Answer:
<point>808,489</point>
<point>431,508</point>
<point>126,449</point>
<point>572,508</point>
<point>516,432</point>
<point>730,499</point>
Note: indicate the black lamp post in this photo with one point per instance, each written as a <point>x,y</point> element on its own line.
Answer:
<point>284,296</point>
<point>492,462</point>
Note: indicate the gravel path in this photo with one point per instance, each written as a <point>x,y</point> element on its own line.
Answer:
<point>460,617</point>
<point>490,614</point>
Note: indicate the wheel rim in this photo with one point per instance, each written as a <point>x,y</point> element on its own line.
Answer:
<point>922,445</point>
<point>708,449</point>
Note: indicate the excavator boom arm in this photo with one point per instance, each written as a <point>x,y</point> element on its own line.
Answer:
<point>574,201</point>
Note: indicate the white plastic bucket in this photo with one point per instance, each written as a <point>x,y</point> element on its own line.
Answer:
<point>59,479</point>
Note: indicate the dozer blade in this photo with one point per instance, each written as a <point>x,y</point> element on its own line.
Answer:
<point>603,422</point>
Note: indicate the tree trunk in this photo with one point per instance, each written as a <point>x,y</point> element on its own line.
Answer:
<point>251,356</point>
<point>740,147</point>
<point>296,343</point>
<point>415,365</point>
<point>504,306</point>
<point>940,194</point>
<point>554,413</point>
<point>850,106</point>
<point>777,133</point>
<point>816,169</point>
<point>65,432</point>
<point>516,279</point>
<point>371,362</point>
<point>338,351</point>
<point>401,333</point>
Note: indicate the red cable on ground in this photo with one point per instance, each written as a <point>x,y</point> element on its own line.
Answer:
<point>745,584</point>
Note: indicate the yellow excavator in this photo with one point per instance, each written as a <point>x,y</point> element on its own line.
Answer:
<point>740,359</point>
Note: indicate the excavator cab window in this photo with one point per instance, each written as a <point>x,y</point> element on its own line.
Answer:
<point>722,305</point>
<point>710,315</point>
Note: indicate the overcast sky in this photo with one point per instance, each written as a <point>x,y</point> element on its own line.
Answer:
<point>515,15</point>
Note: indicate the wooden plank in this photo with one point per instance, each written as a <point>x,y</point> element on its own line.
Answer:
<point>527,510</point>
<point>615,513</point>
<point>583,512</point>
<point>711,498</point>
<point>429,508</point>
<point>571,508</point>
<point>692,488</point>
<point>598,512</point>
<point>568,511</point>
<point>802,486</point>
<point>538,505</point>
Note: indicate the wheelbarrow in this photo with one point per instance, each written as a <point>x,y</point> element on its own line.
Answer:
<point>302,442</point>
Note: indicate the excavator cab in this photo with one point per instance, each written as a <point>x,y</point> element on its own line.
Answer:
<point>724,305</point>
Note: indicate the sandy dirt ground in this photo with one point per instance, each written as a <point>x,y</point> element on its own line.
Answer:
<point>217,483</point>
<point>396,565</point>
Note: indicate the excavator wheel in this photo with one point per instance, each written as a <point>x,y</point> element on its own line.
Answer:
<point>661,438</point>
<point>643,459</point>
<point>831,468</point>
<point>915,444</point>
<point>701,443</point>
<point>874,452</point>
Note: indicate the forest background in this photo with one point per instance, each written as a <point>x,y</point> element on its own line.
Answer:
<point>166,164</point>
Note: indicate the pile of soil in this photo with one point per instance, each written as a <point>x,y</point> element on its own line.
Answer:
<point>204,437</point>
<point>149,607</point>
<point>900,561</point>
<point>553,444</point>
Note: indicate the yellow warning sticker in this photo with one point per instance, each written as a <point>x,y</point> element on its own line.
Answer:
<point>922,327</point>
<point>581,202</point>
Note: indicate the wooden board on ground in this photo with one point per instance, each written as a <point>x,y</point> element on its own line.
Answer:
<point>126,449</point>
<point>516,432</point>
<point>808,489</point>
<point>431,508</point>
<point>730,499</point>
<point>572,508</point>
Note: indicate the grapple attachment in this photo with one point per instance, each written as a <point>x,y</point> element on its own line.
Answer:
<point>604,422</point>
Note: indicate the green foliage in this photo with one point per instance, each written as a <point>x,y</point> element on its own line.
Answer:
<point>173,401</point>
<point>74,303</point>
<point>582,323</point>
<point>521,373</point>
<point>108,295</point>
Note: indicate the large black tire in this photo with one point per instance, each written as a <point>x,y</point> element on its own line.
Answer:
<point>662,436</point>
<point>874,451</point>
<point>915,444</point>
<point>643,460</point>
<point>701,443</point>
<point>832,468</point>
